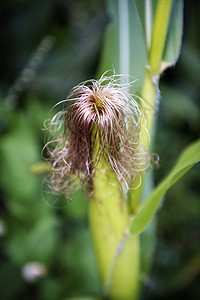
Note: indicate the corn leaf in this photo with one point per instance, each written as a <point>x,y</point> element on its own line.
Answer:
<point>174,36</point>
<point>147,210</point>
<point>146,10</point>
<point>124,46</point>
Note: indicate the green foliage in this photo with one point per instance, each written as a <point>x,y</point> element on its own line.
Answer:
<point>34,229</point>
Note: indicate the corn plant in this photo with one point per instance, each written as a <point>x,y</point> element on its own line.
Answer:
<point>103,137</point>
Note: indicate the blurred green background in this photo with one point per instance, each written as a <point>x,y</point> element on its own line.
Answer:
<point>47,47</point>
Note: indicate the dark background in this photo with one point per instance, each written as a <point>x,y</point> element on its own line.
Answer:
<point>47,47</point>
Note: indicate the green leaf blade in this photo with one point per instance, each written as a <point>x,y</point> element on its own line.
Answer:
<point>124,46</point>
<point>188,158</point>
<point>174,36</point>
